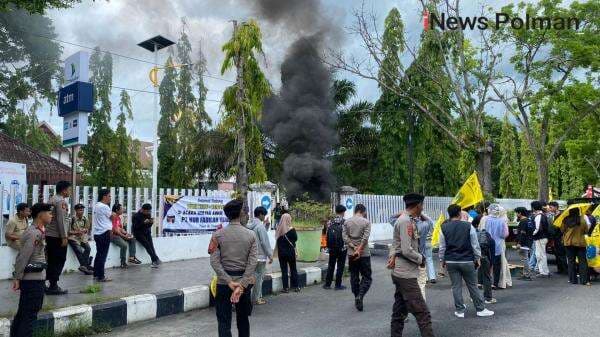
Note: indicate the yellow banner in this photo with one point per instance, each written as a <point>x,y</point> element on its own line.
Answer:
<point>437,228</point>
<point>470,193</point>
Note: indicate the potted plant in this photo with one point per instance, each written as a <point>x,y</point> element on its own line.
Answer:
<point>308,217</point>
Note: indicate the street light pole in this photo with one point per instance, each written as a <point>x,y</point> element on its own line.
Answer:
<point>155,140</point>
<point>154,45</point>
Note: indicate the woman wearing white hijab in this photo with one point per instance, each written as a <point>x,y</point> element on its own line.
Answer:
<point>286,251</point>
<point>496,224</point>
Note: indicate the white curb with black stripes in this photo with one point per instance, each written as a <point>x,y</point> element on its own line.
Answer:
<point>145,307</point>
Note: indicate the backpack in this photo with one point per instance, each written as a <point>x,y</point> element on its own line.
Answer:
<point>531,224</point>
<point>335,239</point>
<point>484,243</point>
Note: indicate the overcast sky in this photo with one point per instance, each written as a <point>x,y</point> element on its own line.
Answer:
<point>118,25</point>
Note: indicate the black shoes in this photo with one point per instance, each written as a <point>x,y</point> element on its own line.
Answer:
<point>55,290</point>
<point>358,303</point>
<point>326,287</point>
<point>86,270</point>
<point>340,288</point>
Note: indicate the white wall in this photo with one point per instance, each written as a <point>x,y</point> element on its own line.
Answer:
<point>168,249</point>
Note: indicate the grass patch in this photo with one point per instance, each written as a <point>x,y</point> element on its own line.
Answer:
<point>75,329</point>
<point>92,289</point>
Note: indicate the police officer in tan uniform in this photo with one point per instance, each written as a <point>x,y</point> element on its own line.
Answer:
<point>234,258</point>
<point>405,261</point>
<point>30,272</point>
<point>57,235</point>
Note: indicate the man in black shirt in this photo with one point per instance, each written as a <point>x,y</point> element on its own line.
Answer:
<point>337,249</point>
<point>142,222</point>
<point>524,240</point>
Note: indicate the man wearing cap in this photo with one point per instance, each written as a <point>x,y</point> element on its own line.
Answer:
<point>356,232</point>
<point>405,260</point>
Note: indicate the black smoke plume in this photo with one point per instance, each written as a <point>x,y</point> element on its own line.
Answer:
<point>301,120</point>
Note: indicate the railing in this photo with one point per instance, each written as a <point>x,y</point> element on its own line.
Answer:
<point>132,198</point>
<point>381,207</point>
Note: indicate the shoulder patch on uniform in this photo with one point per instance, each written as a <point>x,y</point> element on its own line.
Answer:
<point>410,229</point>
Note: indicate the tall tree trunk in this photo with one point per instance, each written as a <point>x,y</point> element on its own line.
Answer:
<point>543,186</point>
<point>242,166</point>
<point>484,168</point>
<point>411,154</point>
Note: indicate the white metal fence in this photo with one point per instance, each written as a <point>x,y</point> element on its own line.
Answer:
<point>381,207</point>
<point>132,198</point>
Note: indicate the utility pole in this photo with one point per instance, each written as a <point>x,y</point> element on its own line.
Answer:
<point>242,167</point>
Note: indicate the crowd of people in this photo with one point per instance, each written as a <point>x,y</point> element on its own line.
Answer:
<point>42,246</point>
<point>471,250</point>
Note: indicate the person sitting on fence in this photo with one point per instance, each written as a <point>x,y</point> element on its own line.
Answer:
<point>16,226</point>
<point>78,240</point>
<point>123,239</point>
<point>141,224</point>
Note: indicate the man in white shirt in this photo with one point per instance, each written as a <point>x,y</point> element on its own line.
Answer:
<point>102,230</point>
<point>540,238</point>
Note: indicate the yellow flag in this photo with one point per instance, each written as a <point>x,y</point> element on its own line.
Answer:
<point>558,222</point>
<point>596,211</point>
<point>437,228</point>
<point>470,193</point>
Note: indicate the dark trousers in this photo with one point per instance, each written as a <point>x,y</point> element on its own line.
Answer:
<point>336,257</point>
<point>102,245</point>
<point>408,298</point>
<point>360,275</point>
<point>145,239</point>
<point>484,273</point>
<point>579,253</point>
<point>561,256</point>
<point>82,251</point>
<point>30,303</point>
<point>243,309</point>
<point>284,262</point>
<point>57,256</point>
<point>497,267</point>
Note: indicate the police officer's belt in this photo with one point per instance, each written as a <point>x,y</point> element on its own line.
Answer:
<point>235,272</point>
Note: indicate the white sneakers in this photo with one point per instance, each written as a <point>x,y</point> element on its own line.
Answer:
<point>491,301</point>
<point>485,313</point>
<point>482,313</point>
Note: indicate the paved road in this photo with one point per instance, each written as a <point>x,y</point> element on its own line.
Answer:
<point>132,281</point>
<point>548,307</point>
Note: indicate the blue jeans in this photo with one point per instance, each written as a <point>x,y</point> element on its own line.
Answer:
<point>429,261</point>
<point>532,259</point>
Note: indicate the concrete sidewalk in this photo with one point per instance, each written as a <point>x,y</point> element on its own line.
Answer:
<point>140,279</point>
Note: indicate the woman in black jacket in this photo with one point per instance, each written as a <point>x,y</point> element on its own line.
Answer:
<point>286,250</point>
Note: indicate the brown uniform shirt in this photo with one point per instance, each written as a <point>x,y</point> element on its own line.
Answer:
<point>236,253</point>
<point>405,248</point>
<point>33,246</point>
<point>59,227</point>
<point>356,231</point>
<point>15,226</point>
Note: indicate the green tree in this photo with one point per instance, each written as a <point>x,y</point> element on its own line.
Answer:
<point>24,126</point>
<point>243,101</point>
<point>28,64</point>
<point>98,155</point>
<point>411,156</point>
<point>509,164</point>
<point>167,155</point>
<point>35,6</point>
<point>555,81</point>
<point>126,165</point>
<point>528,178</point>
